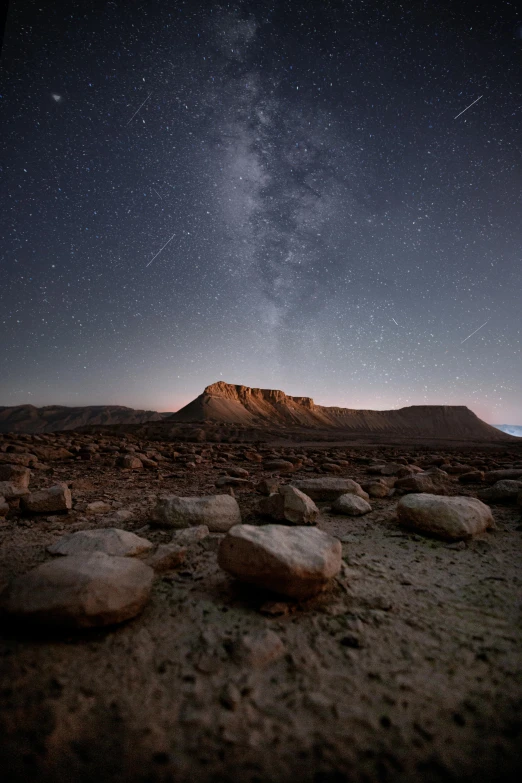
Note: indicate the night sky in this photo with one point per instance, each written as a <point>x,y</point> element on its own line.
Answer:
<point>277,194</point>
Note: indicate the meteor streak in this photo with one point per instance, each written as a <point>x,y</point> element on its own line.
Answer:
<point>476,330</point>
<point>469,107</point>
<point>139,107</point>
<point>159,251</point>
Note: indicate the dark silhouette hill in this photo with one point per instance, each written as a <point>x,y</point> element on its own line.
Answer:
<point>234,404</point>
<point>53,418</point>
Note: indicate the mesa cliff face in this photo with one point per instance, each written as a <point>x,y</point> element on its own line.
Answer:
<point>235,404</point>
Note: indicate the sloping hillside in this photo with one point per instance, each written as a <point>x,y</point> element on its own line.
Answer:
<point>53,418</point>
<point>235,404</point>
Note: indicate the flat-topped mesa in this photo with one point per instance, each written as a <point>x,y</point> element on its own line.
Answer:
<point>230,403</point>
<point>231,391</point>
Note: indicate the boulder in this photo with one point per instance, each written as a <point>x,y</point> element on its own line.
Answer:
<point>218,512</point>
<point>291,505</point>
<point>11,491</point>
<point>17,475</point>
<point>80,591</point>
<point>295,561</point>
<point>492,476</point>
<point>351,505</point>
<point>4,506</point>
<point>49,501</point>
<point>434,483</point>
<point>472,477</point>
<point>452,518</point>
<point>329,488</point>
<point>110,540</point>
<point>504,491</point>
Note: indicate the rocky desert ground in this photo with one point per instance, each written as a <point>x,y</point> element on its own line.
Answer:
<point>142,639</point>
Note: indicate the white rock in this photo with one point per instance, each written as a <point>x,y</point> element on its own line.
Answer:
<point>218,512</point>
<point>80,591</point>
<point>109,540</point>
<point>448,517</point>
<point>351,505</point>
<point>290,504</point>
<point>329,488</point>
<point>49,501</point>
<point>295,561</point>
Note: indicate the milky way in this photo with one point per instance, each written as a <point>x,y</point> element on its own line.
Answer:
<point>319,197</point>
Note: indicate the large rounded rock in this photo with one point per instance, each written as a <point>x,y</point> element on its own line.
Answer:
<point>432,481</point>
<point>504,492</point>
<point>110,540</point>
<point>452,518</point>
<point>294,561</point>
<point>351,505</point>
<point>218,512</point>
<point>49,501</point>
<point>290,504</point>
<point>492,476</point>
<point>329,488</point>
<point>80,591</point>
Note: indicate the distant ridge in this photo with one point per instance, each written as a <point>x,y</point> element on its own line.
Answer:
<point>235,404</point>
<point>53,418</point>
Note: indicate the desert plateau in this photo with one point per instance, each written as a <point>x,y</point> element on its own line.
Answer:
<point>216,601</point>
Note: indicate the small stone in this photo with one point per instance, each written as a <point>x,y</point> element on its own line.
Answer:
<point>259,649</point>
<point>279,465</point>
<point>290,504</point>
<point>190,535</point>
<point>351,505</point>
<point>130,462</point>
<point>167,556</point>
<point>109,540</point>
<point>49,501</point>
<point>80,591</point>
<point>267,486</point>
<point>97,507</point>
<point>329,488</point>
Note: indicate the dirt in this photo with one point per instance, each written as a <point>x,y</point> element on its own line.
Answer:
<point>409,668</point>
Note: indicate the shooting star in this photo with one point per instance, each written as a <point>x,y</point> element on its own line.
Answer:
<point>139,107</point>
<point>394,321</point>
<point>476,330</point>
<point>159,251</point>
<point>469,107</point>
<point>157,194</point>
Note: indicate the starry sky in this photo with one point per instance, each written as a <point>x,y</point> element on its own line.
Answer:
<point>290,195</point>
